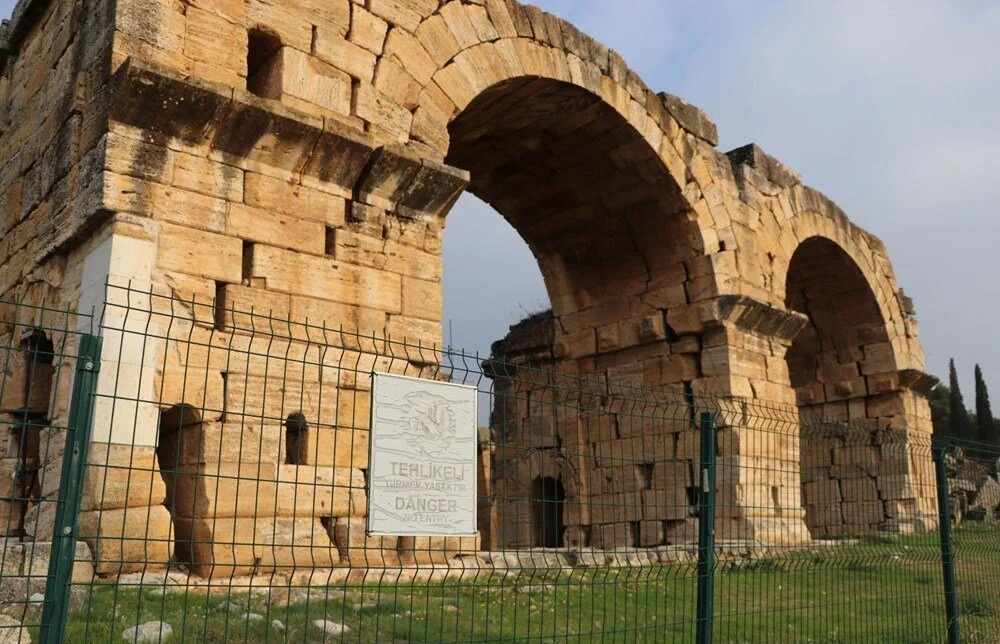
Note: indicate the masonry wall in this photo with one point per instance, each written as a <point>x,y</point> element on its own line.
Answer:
<point>54,60</point>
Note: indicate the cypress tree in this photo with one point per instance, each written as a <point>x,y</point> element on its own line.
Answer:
<point>985,427</point>
<point>959,415</point>
<point>939,399</point>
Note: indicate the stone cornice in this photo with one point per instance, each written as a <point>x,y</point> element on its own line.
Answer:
<point>917,380</point>
<point>756,316</point>
<point>246,131</point>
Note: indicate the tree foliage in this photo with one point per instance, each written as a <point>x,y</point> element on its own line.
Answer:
<point>959,422</point>
<point>940,401</point>
<point>986,427</point>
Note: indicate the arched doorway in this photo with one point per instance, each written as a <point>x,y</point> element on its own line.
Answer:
<point>180,427</point>
<point>580,185</point>
<point>611,232</point>
<point>547,499</point>
<point>838,365</point>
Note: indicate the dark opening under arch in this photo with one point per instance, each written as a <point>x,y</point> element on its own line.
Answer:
<point>548,499</point>
<point>836,365</point>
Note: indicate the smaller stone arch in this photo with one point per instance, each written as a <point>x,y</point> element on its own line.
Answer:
<point>870,260</point>
<point>26,375</point>
<point>844,368</point>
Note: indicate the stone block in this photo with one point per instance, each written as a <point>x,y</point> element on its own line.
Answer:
<point>391,120</point>
<point>671,504</point>
<point>262,226</point>
<point>313,491</point>
<point>611,536</point>
<point>822,492</point>
<point>324,278</point>
<point>334,447</point>
<point>195,252</point>
<point>864,513</point>
<point>297,74</point>
<point>422,299</point>
<point>128,540</point>
<point>223,490</point>
<point>295,543</point>
<point>407,14</point>
<point>213,44</point>
<point>237,440</point>
<point>219,548</point>
<point>118,477</point>
<point>858,490</point>
<point>367,30</point>
<point>333,48</point>
<point>650,533</point>
<point>356,548</point>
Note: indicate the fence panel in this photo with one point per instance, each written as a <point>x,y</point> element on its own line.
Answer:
<point>974,482</point>
<point>226,494</point>
<point>825,531</point>
<point>39,350</point>
<point>226,483</point>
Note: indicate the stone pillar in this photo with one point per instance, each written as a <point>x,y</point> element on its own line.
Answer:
<point>122,518</point>
<point>743,355</point>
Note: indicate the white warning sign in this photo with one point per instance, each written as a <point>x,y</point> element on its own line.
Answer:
<point>422,458</point>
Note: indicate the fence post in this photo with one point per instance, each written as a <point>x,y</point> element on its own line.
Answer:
<point>706,531</point>
<point>64,533</point>
<point>947,547</point>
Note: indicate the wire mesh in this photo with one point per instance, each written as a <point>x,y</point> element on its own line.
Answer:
<point>974,484</point>
<point>827,532</point>
<point>38,350</point>
<point>225,496</point>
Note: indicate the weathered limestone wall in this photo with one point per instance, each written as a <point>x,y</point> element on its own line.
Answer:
<point>54,64</point>
<point>299,159</point>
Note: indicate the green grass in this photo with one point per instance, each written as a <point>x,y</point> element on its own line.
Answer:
<point>879,591</point>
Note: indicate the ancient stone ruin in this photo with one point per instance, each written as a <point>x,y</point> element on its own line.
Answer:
<point>300,158</point>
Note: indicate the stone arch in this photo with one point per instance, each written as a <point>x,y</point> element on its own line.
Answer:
<point>844,369</point>
<point>846,345</point>
<point>463,64</point>
<point>548,498</point>
<point>601,213</point>
<point>870,259</point>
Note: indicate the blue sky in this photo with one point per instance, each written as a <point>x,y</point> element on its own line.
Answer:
<point>888,106</point>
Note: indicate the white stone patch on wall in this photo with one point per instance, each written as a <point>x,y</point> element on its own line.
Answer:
<point>117,278</point>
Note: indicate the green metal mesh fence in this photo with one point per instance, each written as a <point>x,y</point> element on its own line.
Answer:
<point>221,487</point>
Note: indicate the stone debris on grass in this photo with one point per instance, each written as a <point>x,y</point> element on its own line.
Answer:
<point>230,607</point>
<point>278,625</point>
<point>330,627</point>
<point>155,632</point>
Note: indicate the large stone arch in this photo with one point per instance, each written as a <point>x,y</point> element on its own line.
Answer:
<point>463,65</point>
<point>603,216</point>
